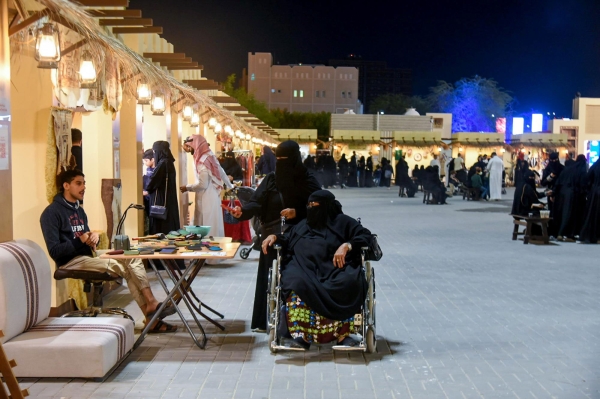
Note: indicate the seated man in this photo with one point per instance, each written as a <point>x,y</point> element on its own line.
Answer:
<point>453,183</point>
<point>322,279</point>
<point>477,183</point>
<point>72,245</point>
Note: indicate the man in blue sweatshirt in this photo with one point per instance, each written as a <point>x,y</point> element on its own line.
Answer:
<point>72,245</point>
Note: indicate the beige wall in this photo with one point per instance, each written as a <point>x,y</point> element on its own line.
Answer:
<point>304,88</point>
<point>446,127</point>
<point>586,119</point>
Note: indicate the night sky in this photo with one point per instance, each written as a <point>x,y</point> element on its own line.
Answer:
<point>542,51</point>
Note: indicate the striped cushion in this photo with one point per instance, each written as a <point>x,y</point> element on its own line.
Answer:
<point>71,347</point>
<point>25,287</point>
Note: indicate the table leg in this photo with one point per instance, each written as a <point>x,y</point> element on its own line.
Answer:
<point>527,233</point>
<point>189,291</point>
<point>545,233</point>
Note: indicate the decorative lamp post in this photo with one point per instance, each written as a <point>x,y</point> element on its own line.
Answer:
<point>143,93</point>
<point>158,104</point>
<point>87,71</point>
<point>47,47</point>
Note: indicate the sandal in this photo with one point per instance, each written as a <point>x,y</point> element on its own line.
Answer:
<point>167,311</point>
<point>157,329</point>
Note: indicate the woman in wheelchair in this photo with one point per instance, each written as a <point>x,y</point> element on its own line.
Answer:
<point>321,273</point>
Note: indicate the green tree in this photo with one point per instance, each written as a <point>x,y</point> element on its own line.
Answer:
<point>397,104</point>
<point>248,101</point>
<point>474,103</point>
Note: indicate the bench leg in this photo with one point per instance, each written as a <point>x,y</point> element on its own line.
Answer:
<point>527,233</point>
<point>515,232</point>
<point>545,233</point>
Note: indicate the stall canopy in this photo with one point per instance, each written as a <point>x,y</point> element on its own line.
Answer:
<point>480,140</point>
<point>541,140</point>
<point>419,139</point>
<point>298,135</point>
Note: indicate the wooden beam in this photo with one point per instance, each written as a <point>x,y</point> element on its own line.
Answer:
<point>225,100</point>
<point>156,57</point>
<point>147,29</point>
<point>177,61</point>
<point>184,67</point>
<point>126,22</point>
<point>20,10</point>
<point>245,115</point>
<point>116,13</point>
<point>73,47</point>
<point>36,16</point>
<point>103,3</point>
<point>237,108</point>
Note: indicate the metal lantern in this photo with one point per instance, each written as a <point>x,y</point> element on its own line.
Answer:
<point>218,128</point>
<point>188,113</point>
<point>87,71</point>
<point>157,106</point>
<point>143,93</point>
<point>212,122</point>
<point>248,137</point>
<point>195,120</point>
<point>47,47</point>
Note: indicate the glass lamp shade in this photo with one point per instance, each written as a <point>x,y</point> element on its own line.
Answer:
<point>218,128</point>
<point>157,106</point>
<point>239,134</point>
<point>143,93</point>
<point>188,113</point>
<point>228,130</point>
<point>248,137</point>
<point>47,47</point>
<point>212,122</point>
<point>195,120</point>
<point>87,71</point>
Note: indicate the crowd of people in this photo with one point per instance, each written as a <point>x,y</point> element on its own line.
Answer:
<point>572,195</point>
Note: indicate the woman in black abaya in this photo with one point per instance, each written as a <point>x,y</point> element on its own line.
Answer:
<point>591,227</point>
<point>164,181</point>
<point>527,199</point>
<point>280,194</point>
<point>321,276</point>
<point>570,197</point>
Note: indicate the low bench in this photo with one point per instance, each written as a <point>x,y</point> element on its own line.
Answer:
<point>528,223</point>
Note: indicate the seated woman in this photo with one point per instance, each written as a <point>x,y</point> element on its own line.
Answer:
<point>433,184</point>
<point>321,276</point>
<point>527,199</point>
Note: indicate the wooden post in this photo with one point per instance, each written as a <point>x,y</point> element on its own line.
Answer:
<point>6,367</point>
<point>6,211</point>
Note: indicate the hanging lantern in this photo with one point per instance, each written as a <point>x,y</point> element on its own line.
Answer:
<point>158,104</point>
<point>239,134</point>
<point>218,128</point>
<point>188,113</point>
<point>87,71</point>
<point>195,119</point>
<point>228,130</point>
<point>212,122</point>
<point>248,137</point>
<point>47,47</point>
<point>143,93</point>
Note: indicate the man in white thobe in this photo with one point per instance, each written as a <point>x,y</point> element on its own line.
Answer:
<point>495,167</point>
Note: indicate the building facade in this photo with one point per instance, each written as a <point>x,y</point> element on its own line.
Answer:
<point>304,88</point>
<point>376,78</point>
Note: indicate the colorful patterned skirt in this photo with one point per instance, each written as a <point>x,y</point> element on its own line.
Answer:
<point>314,328</point>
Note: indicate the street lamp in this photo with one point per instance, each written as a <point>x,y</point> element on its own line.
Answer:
<point>379,113</point>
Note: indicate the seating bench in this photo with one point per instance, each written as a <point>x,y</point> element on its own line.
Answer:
<point>528,223</point>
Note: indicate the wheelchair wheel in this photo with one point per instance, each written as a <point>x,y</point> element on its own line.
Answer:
<point>245,252</point>
<point>371,340</point>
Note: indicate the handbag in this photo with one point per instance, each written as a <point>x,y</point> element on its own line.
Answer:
<point>373,252</point>
<point>160,211</point>
<point>228,217</point>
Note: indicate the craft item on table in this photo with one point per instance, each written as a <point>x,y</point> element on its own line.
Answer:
<point>116,252</point>
<point>168,250</point>
<point>131,252</point>
<point>215,248</point>
<point>204,253</point>
<point>196,247</point>
<point>181,243</point>
<point>146,251</point>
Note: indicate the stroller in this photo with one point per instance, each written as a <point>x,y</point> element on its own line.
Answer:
<point>244,194</point>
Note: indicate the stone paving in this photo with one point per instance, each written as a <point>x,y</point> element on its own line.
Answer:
<point>462,312</point>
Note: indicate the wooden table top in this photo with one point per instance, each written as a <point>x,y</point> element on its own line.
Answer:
<point>228,252</point>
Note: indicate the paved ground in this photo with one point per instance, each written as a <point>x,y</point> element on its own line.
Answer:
<point>462,312</point>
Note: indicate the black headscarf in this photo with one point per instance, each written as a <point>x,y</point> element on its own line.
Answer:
<point>329,208</point>
<point>289,171</point>
<point>162,152</point>
<point>529,178</point>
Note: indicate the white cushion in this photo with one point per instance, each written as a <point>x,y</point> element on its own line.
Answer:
<point>25,287</point>
<point>70,347</point>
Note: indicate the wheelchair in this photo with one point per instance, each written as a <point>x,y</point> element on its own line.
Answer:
<point>364,322</point>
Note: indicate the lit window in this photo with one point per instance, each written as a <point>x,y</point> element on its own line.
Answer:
<point>317,93</point>
<point>349,94</point>
<point>343,94</point>
<point>301,93</point>
<point>272,90</point>
<point>296,75</point>
<point>323,93</point>
<point>345,76</point>
<point>350,76</point>
<point>295,93</point>
<point>328,76</point>
<point>319,75</point>
<point>252,77</point>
